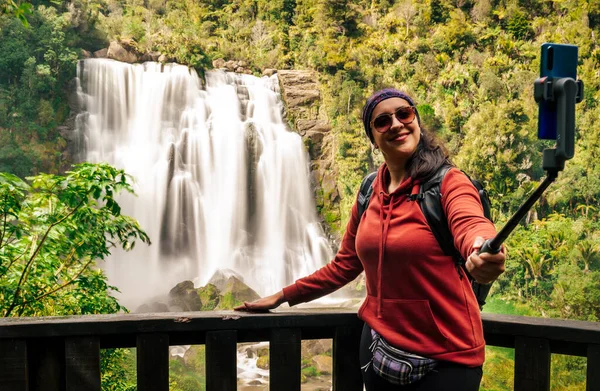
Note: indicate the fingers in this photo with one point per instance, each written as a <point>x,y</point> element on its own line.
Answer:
<point>478,242</point>
<point>249,307</point>
<point>255,306</point>
<point>243,307</point>
<point>485,268</point>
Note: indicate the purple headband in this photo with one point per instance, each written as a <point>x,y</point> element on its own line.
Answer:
<point>379,97</point>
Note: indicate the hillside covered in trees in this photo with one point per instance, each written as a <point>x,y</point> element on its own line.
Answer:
<point>470,64</point>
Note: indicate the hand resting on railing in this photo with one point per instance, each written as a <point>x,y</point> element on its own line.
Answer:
<point>264,304</point>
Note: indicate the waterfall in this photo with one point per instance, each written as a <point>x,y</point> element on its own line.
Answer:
<point>221,181</point>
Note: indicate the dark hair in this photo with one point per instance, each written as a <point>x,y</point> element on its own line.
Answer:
<point>429,156</point>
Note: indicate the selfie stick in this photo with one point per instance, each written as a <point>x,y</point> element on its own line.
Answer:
<point>562,94</point>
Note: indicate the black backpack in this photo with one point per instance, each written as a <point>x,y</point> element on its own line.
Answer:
<point>430,200</point>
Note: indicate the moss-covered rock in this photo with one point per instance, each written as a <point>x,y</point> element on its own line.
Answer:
<point>239,291</point>
<point>228,302</point>
<point>323,364</point>
<point>184,297</point>
<point>209,297</point>
<point>263,362</point>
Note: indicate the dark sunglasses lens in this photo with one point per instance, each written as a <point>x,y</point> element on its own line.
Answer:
<point>382,123</point>
<point>405,115</point>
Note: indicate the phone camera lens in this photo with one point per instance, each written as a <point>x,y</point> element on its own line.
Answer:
<point>550,58</point>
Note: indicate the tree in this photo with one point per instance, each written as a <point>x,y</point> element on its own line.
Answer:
<point>536,260</point>
<point>588,251</point>
<point>407,11</point>
<point>20,11</point>
<point>52,231</point>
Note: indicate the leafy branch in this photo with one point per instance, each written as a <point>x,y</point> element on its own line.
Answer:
<point>81,222</point>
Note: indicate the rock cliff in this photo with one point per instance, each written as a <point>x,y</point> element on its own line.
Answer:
<point>302,97</point>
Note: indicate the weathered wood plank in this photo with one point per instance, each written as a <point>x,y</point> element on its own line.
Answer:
<point>153,362</point>
<point>221,361</point>
<point>119,325</point>
<point>82,364</point>
<point>284,359</point>
<point>593,368</point>
<point>13,365</point>
<point>120,329</point>
<point>346,366</point>
<point>46,364</point>
<point>532,364</point>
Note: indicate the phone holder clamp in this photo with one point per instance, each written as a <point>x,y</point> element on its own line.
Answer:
<point>562,94</point>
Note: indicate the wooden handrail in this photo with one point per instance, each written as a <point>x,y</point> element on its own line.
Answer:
<point>56,353</point>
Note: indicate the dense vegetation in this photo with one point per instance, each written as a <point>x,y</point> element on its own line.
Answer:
<point>470,64</point>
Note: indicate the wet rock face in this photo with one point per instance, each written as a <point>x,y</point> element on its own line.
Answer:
<point>302,97</point>
<point>313,131</point>
<point>184,297</point>
<point>323,364</point>
<point>232,66</point>
<point>314,347</point>
<point>102,53</point>
<point>116,51</point>
<point>126,51</point>
<point>299,88</point>
<point>221,277</point>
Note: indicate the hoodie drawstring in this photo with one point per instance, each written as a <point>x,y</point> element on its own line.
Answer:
<point>385,224</point>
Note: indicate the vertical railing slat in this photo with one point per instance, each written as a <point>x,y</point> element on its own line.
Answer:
<point>153,362</point>
<point>532,364</point>
<point>284,359</point>
<point>593,368</point>
<point>221,360</point>
<point>346,366</point>
<point>82,364</point>
<point>13,365</point>
<point>46,364</point>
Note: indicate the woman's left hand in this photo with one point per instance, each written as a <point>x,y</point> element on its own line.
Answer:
<point>485,268</point>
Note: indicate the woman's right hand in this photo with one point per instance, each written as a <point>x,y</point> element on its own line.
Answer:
<point>263,304</point>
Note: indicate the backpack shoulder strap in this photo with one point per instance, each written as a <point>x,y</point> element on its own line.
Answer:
<point>430,201</point>
<point>484,197</point>
<point>365,193</point>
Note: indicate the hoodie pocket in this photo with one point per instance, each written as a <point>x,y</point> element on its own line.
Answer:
<point>414,320</point>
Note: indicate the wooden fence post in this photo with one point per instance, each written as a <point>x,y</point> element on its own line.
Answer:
<point>284,359</point>
<point>532,364</point>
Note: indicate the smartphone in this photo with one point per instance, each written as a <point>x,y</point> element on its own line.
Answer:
<point>557,60</point>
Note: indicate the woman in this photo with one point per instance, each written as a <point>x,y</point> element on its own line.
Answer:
<point>417,301</point>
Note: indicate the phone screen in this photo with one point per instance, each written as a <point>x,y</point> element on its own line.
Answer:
<point>557,60</point>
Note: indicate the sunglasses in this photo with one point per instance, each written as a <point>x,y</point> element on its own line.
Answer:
<point>383,122</point>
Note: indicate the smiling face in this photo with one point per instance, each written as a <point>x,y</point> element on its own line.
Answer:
<point>400,141</point>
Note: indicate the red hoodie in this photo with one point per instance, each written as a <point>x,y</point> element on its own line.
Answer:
<point>416,298</point>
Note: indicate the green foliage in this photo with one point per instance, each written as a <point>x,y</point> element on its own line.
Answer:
<point>53,229</point>
<point>18,10</point>
<point>519,26</point>
<point>498,369</point>
<point>188,373</point>
<point>37,65</point>
<point>440,11</point>
<point>309,372</point>
<point>118,369</point>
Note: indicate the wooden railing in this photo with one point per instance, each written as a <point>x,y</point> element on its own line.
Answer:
<point>63,353</point>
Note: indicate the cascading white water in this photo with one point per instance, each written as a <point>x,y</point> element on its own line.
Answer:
<point>220,180</point>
